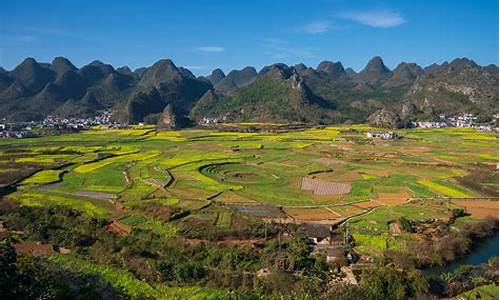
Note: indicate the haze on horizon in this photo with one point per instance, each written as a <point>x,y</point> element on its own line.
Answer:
<point>203,35</point>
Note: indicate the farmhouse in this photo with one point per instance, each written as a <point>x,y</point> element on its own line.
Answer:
<point>317,234</point>
<point>382,135</point>
<point>207,121</point>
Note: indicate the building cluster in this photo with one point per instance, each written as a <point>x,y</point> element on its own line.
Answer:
<point>466,120</point>
<point>16,130</point>
<point>76,123</point>
<point>322,239</point>
<point>336,246</point>
<point>429,124</point>
<point>29,129</point>
<point>207,121</point>
<point>390,135</point>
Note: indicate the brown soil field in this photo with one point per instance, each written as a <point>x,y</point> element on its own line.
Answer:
<point>119,228</point>
<point>286,161</point>
<point>393,199</point>
<point>479,208</point>
<point>311,214</point>
<point>330,161</point>
<point>347,210</point>
<point>343,145</point>
<point>192,204</point>
<point>366,204</point>
<point>189,193</point>
<point>476,181</point>
<point>334,176</point>
<point>232,197</point>
<point>10,177</point>
<point>378,173</point>
<point>119,208</point>
<point>419,149</point>
<point>435,205</point>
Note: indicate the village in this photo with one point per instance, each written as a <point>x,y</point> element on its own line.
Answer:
<point>105,119</point>
<point>32,128</point>
<point>335,243</point>
<point>466,120</point>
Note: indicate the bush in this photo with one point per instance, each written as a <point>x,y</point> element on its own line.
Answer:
<point>392,284</point>
<point>189,272</point>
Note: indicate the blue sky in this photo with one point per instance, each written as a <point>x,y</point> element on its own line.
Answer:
<point>202,34</point>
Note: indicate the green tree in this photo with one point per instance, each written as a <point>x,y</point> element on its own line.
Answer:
<point>187,272</point>
<point>8,270</point>
<point>299,251</point>
<point>389,283</point>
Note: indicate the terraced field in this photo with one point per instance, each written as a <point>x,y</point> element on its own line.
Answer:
<point>122,174</point>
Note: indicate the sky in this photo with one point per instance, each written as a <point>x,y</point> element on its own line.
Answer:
<point>202,35</point>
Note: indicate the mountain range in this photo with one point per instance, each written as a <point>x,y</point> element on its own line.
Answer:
<point>167,94</point>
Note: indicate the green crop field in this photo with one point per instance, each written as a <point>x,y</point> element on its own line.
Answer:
<point>151,180</point>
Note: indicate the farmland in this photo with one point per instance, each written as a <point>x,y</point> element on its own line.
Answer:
<point>334,171</point>
<point>209,184</point>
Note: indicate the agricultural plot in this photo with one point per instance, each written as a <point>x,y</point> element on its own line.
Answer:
<point>308,175</point>
<point>320,187</point>
<point>312,214</point>
<point>480,208</point>
<point>44,177</point>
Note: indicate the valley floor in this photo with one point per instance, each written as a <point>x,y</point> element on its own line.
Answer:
<point>212,185</point>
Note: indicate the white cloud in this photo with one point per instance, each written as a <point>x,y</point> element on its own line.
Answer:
<point>273,43</point>
<point>281,49</point>
<point>315,27</point>
<point>19,39</point>
<point>211,49</point>
<point>379,19</point>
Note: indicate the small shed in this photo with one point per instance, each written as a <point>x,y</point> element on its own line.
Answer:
<point>334,253</point>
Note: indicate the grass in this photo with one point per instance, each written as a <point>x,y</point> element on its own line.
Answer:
<point>109,179</point>
<point>486,292</point>
<point>135,288</point>
<point>166,230</point>
<point>86,205</point>
<point>44,177</point>
<point>223,220</point>
<point>86,168</point>
<point>380,242</point>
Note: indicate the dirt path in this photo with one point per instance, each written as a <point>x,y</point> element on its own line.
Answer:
<point>250,242</point>
<point>333,212</point>
<point>355,216</point>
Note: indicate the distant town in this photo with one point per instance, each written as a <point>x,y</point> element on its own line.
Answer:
<point>105,120</point>
<point>33,128</point>
<point>466,120</point>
